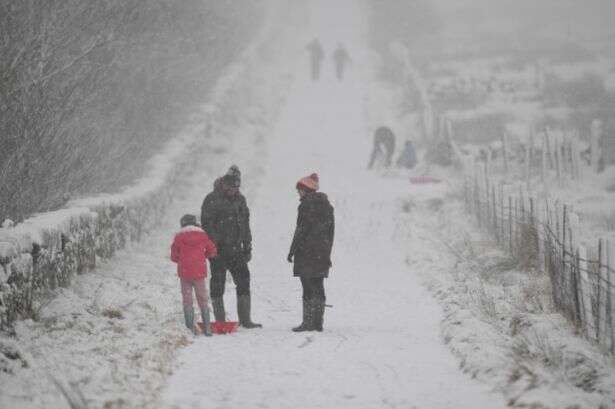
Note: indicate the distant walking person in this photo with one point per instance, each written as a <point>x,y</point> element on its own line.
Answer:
<point>191,247</point>
<point>341,58</point>
<point>384,144</point>
<point>316,56</point>
<point>226,217</point>
<point>310,250</point>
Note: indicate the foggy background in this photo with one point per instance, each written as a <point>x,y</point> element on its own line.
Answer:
<point>90,90</point>
<point>485,227</point>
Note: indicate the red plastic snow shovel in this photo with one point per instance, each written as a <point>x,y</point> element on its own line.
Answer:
<point>418,180</point>
<point>221,327</point>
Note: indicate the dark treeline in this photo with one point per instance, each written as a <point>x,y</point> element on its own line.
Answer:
<point>89,90</point>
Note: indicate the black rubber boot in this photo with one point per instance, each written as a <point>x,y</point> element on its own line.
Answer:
<point>206,321</point>
<point>218,305</point>
<point>306,325</point>
<point>243,311</point>
<point>318,308</point>
<point>189,317</point>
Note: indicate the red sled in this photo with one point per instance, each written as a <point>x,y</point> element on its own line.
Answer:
<point>417,180</point>
<point>221,327</point>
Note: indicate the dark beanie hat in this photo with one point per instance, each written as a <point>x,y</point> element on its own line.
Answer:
<point>188,220</point>
<point>234,171</point>
<point>232,177</point>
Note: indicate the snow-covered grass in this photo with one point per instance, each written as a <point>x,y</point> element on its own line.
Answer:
<point>499,319</point>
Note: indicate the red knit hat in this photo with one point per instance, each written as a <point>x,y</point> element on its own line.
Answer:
<point>308,183</point>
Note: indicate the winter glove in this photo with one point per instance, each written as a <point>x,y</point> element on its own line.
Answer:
<point>290,258</point>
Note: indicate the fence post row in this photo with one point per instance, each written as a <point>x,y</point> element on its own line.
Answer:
<point>610,263</point>
<point>581,278</point>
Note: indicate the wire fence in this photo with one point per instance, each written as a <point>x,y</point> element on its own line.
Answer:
<point>542,234</point>
<point>539,234</point>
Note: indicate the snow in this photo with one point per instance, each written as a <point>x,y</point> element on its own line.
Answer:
<point>401,300</point>
<point>500,322</point>
<point>381,346</point>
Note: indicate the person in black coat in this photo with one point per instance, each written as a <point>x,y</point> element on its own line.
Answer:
<point>310,250</point>
<point>226,219</point>
<point>384,144</point>
<point>316,56</point>
<point>340,57</point>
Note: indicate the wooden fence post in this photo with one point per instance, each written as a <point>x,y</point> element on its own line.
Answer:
<point>495,215</point>
<point>574,287</point>
<point>549,149</point>
<point>505,153</point>
<point>610,267</point>
<point>558,162</point>
<point>576,156</point>
<point>564,227</point>
<point>510,231</point>
<point>539,228</point>
<point>543,168</point>
<point>477,199</point>
<point>603,284</point>
<point>564,149</point>
<point>516,225</point>
<point>599,292</point>
<point>569,157</point>
<point>486,170</point>
<point>502,211</point>
<point>595,148</point>
<point>534,232</point>
<point>584,290</point>
<point>528,157</point>
<point>465,192</point>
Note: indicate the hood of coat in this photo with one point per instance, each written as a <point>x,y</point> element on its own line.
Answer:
<point>218,185</point>
<point>219,189</point>
<point>316,199</point>
<point>191,236</point>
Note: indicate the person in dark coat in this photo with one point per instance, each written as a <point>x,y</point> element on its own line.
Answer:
<point>226,218</point>
<point>310,250</point>
<point>384,143</point>
<point>340,57</point>
<point>316,56</point>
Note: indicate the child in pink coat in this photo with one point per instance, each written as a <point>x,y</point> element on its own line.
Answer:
<point>190,249</point>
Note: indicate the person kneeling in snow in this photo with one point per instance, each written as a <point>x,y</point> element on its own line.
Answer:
<point>384,144</point>
<point>311,250</point>
<point>191,247</point>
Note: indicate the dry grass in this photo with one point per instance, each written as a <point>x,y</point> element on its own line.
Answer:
<point>527,252</point>
<point>113,313</point>
<point>73,395</point>
<point>534,348</point>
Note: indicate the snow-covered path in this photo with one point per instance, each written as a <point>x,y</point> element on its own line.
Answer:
<point>381,346</point>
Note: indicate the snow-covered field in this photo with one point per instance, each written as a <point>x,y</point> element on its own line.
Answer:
<point>117,337</point>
